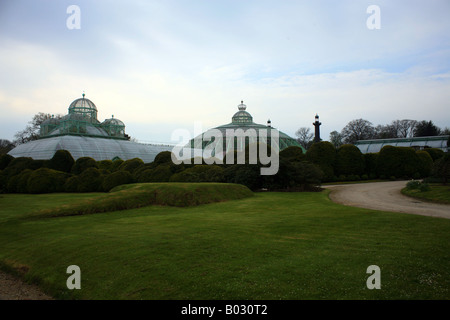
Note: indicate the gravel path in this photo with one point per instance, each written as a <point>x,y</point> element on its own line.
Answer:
<point>12,288</point>
<point>385,196</point>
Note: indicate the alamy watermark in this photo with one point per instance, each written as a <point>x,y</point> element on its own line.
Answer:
<point>74,281</point>
<point>74,20</point>
<point>374,281</point>
<point>374,20</point>
<point>216,147</point>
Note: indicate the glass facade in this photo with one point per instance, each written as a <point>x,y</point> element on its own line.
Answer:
<point>418,143</point>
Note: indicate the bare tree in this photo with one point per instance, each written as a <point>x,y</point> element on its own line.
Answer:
<point>5,146</point>
<point>31,131</point>
<point>404,128</point>
<point>385,131</point>
<point>304,137</point>
<point>336,139</point>
<point>358,129</point>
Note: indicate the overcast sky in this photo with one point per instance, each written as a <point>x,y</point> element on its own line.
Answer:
<point>165,65</point>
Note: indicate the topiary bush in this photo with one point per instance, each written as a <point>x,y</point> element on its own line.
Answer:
<point>293,153</point>
<point>17,165</point>
<point>161,173</point>
<point>62,160</point>
<point>200,173</point>
<point>71,184</point>
<point>5,159</point>
<point>398,162</point>
<point>90,180</point>
<point>105,165</point>
<point>425,165</point>
<point>435,153</point>
<point>248,175</point>
<point>349,160</point>
<point>131,165</point>
<point>82,164</point>
<point>22,183</point>
<point>370,164</point>
<point>163,157</point>
<point>441,169</point>
<point>116,179</point>
<point>45,180</point>
<point>116,164</point>
<point>323,154</point>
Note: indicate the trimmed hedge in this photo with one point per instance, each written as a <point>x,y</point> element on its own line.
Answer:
<point>62,160</point>
<point>161,173</point>
<point>46,180</point>
<point>435,153</point>
<point>323,154</point>
<point>82,164</point>
<point>293,153</point>
<point>5,159</point>
<point>349,160</point>
<point>90,180</point>
<point>398,162</point>
<point>200,173</point>
<point>116,179</point>
<point>131,165</point>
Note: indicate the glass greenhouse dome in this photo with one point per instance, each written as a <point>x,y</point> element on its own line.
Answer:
<point>243,120</point>
<point>80,133</point>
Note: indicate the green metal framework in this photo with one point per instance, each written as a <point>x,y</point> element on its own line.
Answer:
<point>243,120</point>
<point>82,120</point>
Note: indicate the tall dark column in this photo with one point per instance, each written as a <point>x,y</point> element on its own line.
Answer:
<point>317,129</point>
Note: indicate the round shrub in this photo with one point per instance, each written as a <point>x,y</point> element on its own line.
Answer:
<point>399,162</point>
<point>426,163</point>
<point>131,165</point>
<point>116,179</point>
<point>105,165</point>
<point>246,174</point>
<point>435,153</point>
<point>22,183</point>
<point>82,164</point>
<point>323,154</point>
<point>161,173</point>
<point>349,160</point>
<point>116,164</point>
<point>163,157</point>
<point>200,173</point>
<point>11,185</point>
<point>441,169</point>
<point>3,182</point>
<point>17,165</point>
<point>71,184</point>
<point>90,180</point>
<point>293,153</point>
<point>294,175</point>
<point>46,180</point>
<point>5,159</point>
<point>62,160</point>
<point>370,164</point>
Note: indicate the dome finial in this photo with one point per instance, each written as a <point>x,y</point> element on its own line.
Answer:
<point>83,94</point>
<point>242,106</point>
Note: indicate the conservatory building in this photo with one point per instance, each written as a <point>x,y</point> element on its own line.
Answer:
<point>242,121</point>
<point>80,133</point>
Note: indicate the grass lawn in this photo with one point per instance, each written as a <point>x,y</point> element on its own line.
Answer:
<point>269,246</point>
<point>437,193</point>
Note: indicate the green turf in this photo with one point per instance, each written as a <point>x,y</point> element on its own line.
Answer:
<point>437,193</point>
<point>270,246</point>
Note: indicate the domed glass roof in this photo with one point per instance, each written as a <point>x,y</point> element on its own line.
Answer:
<point>243,120</point>
<point>242,116</point>
<point>84,107</point>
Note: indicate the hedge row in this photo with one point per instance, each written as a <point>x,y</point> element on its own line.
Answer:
<point>348,163</point>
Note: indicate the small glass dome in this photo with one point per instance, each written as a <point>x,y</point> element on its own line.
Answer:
<point>242,116</point>
<point>84,107</point>
<point>114,127</point>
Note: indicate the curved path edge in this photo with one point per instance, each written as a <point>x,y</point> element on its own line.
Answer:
<point>385,196</point>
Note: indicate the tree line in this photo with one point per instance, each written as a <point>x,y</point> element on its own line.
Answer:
<point>361,129</point>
